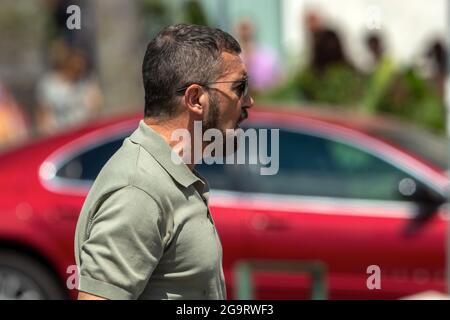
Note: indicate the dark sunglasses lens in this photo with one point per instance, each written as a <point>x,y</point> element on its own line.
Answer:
<point>243,88</point>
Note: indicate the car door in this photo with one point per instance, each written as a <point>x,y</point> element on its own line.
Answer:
<point>76,169</point>
<point>342,206</point>
<point>224,204</point>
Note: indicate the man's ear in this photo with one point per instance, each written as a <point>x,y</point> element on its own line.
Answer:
<point>196,99</point>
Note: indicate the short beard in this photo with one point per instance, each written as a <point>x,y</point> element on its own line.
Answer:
<point>213,121</point>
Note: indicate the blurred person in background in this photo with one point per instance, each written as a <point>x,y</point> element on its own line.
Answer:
<point>263,65</point>
<point>413,97</point>
<point>375,45</point>
<point>330,77</point>
<point>328,51</point>
<point>66,95</point>
<point>382,71</point>
<point>312,23</point>
<point>437,59</point>
<point>13,124</point>
<point>405,92</point>
<point>312,26</point>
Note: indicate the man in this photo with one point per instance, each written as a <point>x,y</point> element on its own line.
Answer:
<point>145,231</point>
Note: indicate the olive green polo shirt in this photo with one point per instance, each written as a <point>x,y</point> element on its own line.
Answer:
<point>145,231</point>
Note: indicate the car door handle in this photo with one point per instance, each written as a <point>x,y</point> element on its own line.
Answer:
<point>266,223</point>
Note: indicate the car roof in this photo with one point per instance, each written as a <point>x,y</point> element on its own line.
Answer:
<point>293,115</point>
<point>289,113</point>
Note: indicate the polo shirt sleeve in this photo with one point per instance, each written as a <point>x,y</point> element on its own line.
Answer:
<point>123,245</point>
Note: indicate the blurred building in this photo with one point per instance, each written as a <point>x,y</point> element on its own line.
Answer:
<point>117,32</point>
<point>408,27</point>
<point>281,24</point>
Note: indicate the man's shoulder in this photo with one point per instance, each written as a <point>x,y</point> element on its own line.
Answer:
<point>130,173</point>
<point>132,165</point>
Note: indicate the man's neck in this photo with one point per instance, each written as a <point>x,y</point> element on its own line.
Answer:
<point>166,128</point>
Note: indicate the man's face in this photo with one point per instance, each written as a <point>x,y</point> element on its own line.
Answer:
<point>228,104</point>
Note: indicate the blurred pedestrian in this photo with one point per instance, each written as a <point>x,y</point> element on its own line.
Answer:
<point>263,65</point>
<point>330,77</point>
<point>437,58</point>
<point>382,72</point>
<point>328,51</point>
<point>13,123</point>
<point>375,45</point>
<point>66,95</point>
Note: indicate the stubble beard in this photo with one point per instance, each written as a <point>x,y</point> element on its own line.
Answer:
<point>213,122</point>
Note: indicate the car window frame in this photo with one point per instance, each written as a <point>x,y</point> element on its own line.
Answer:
<point>353,143</point>
<point>66,153</point>
<point>69,151</point>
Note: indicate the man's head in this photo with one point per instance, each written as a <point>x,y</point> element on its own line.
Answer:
<point>196,71</point>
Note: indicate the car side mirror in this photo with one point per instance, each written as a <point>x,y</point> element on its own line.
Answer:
<point>427,202</point>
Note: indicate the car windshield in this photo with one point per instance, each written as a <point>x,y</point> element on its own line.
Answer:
<point>427,146</point>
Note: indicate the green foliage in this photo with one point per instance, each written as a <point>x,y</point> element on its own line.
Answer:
<point>337,84</point>
<point>412,98</point>
<point>406,95</point>
<point>194,13</point>
<point>156,15</point>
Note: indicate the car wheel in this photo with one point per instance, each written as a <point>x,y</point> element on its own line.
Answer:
<point>23,278</point>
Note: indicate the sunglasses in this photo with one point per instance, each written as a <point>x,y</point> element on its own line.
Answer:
<point>241,89</point>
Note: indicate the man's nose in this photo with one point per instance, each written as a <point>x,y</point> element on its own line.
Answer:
<point>248,102</point>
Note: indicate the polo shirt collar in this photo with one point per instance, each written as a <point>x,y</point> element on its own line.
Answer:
<point>155,145</point>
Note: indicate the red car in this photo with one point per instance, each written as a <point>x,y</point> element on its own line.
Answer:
<point>349,196</point>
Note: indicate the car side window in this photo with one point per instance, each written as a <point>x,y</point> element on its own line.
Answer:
<point>86,165</point>
<point>317,166</point>
<point>219,176</point>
